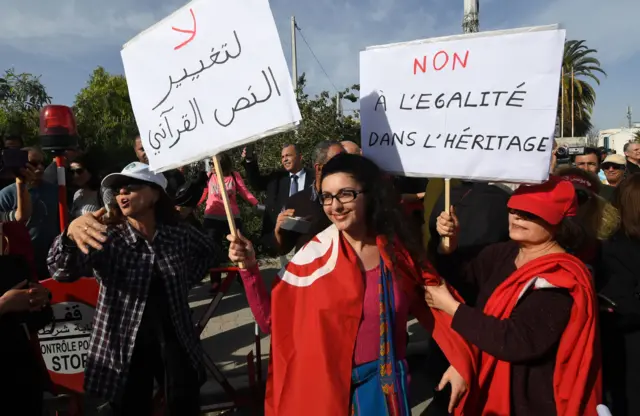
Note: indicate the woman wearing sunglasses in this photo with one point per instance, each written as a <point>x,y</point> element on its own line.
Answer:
<point>338,312</point>
<point>146,261</point>
<point>534,322</point>
<point>86,198</point>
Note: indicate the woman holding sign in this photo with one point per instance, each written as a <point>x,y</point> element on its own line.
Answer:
<point>535,320</point>
<point>338,311</point>
<point>146,261</point>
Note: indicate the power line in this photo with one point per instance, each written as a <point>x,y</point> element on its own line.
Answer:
<point>316,58</point>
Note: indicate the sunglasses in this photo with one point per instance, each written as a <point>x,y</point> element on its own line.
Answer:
<point>129,187</point>
<point>78,171</point>
<point>607,166</point>
<point>524,215</point>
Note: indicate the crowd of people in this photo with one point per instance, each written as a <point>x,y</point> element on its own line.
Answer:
<point>529,291</point>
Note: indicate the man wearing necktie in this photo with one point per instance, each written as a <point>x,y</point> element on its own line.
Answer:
<point>278,185</point>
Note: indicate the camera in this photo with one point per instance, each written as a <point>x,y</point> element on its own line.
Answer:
<point>13,160</point>
<point>58,129</point>
<point>565,152</point>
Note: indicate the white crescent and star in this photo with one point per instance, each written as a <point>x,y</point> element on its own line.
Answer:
<point>314,251</point>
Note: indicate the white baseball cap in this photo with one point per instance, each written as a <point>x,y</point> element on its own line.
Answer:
<point>138,171</point>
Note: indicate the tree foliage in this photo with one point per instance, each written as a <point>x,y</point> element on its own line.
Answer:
<point>21,98</point>
<point>636,136</point>
<point>579,60</point>
<point>106,123</point>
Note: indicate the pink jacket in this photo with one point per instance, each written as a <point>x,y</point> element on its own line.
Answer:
<point>234,185</point>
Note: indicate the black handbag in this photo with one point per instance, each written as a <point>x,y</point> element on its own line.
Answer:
<point>13,270</point>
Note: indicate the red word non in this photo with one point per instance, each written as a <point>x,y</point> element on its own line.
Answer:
<point>441,60</point>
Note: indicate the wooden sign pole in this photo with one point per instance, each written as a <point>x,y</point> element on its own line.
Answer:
<point>225,200</point>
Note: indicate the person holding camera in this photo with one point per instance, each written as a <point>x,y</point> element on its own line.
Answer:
<point>42,222</point>
<point>23,209</point>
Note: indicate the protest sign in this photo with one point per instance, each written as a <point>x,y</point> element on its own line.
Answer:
<point>209,77</point>
<point>64,343</point>
<point>480,106</point>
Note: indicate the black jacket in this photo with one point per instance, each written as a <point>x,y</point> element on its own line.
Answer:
<point>618,278</point>
<point>276,185</point>
<point>484,219</point>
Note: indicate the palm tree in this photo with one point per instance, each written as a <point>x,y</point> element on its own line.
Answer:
<point>579,58</point>
<point>636,136</point>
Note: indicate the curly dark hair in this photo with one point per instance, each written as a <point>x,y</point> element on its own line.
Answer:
<point>383,212</point>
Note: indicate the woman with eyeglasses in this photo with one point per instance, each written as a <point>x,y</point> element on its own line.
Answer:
<point>338,311</point>
<point>146,261</point>
<point>87,198</point>
<point>534,322</point>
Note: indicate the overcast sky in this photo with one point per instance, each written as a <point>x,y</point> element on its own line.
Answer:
<point>65,40</point>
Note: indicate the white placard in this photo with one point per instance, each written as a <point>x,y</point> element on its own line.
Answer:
<point>479,106</point>
<point>209,77</point>
<point>65,344</point>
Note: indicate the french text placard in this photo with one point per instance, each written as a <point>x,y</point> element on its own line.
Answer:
<point>479,106</point>
<point>209,77</point>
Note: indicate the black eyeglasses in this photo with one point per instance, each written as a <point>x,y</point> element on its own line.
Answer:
<point>606,166</point>
<point>524,215</point>
<point>344,196</point>
<point>78,171</point>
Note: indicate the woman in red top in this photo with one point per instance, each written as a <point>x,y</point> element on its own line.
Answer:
<point>535,319</point>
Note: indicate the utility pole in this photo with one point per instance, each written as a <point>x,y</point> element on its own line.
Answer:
<point>294,56</point>
<point>471,21</point>
<point>338,106</point>
<point>630,116</point>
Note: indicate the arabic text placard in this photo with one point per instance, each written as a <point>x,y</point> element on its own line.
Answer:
<point>479,106</point>
<point>210,77</point>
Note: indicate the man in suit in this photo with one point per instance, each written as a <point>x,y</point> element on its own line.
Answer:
<point>305,204</point>
<point>278,185</point>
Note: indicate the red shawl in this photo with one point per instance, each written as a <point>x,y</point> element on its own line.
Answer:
<point>315,314</point>
<point>577,377</point>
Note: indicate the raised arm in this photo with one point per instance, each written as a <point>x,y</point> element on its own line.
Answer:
<point>257,181</point>
<point>243,191</point>
<point>78,249</point>
<point>241,251</point>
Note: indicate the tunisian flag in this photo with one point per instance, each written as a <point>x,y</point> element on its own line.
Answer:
<point>316,308</point>
<point>577,377</point>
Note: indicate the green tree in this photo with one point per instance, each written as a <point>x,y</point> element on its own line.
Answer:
<point>636,136</point>
<point>106,123</point>
<point>21,98</point>
<point>579,60</point>
<point>320,121</point>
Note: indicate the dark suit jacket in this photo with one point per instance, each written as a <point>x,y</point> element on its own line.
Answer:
<point>306,205</point>
<point>276,185</point>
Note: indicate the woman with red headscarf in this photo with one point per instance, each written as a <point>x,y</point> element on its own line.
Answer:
<point>535,318</point>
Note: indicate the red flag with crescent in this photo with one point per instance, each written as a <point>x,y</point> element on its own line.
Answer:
<point>316,308</point>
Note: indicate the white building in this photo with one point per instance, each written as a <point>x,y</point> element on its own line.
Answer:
<point>615,139</point>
